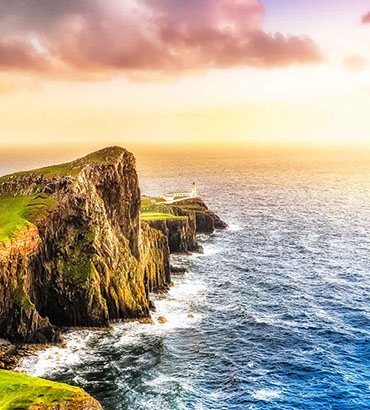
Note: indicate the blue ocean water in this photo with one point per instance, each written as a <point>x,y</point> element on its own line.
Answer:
<point>274,315</point>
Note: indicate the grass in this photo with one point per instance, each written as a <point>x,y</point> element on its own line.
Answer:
<point>19,391</point>
<point>104,156</point>
<point>151,210</point>
<point>190,207</point>
<point>19,212</point>
<point>150,216</point>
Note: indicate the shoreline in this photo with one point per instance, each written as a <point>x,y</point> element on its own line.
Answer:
<point>54,359</point>
<point>11,355</point>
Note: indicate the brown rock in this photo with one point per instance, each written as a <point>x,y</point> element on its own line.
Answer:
<point>146,321</point>
<point>152,306</point>
<point>162,320</point>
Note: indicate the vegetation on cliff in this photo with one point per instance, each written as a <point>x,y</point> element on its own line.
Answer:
<point>73,168</point>
<point>21,211</point>
<point>19,391</point>
<point>83,262</point>
<point>83,257</point>
<point>180,221</point>
<point>152,209</point>
<point>149,216</point>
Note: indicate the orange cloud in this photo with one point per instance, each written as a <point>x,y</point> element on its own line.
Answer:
<point>167,36</point>
<point>355,63</point>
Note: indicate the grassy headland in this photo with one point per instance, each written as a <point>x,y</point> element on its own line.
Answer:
<point>19,391</point>
<point>17,212</point>
<point>73,168</point>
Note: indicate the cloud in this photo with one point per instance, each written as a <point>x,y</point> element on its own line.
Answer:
<point>366,18</point>
<point>167,36</point>
<point>20,56</point>
<point>355,63</point>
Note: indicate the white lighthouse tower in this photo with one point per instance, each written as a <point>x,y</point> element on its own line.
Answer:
<point>194,190</point>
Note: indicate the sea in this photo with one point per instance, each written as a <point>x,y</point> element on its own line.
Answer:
<point>275,314</point>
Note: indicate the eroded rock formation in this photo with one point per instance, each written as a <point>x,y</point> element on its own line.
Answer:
<point>83,258</point>
<point>181,233</point>
<point>84,261</point>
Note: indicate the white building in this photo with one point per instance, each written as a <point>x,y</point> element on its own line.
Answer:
<point>180,196</point>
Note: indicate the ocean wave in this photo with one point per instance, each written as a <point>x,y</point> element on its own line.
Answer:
<point>52,359</point>
<point>236,227</point>
<point>266,395</point>
<point>176,307</point>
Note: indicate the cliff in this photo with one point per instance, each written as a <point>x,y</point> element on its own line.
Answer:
<point>206,221</point>
<point>75,254</point>
<point>155,259</point>
<point>19,391</point>
<point>181,221</point>
<point>181,233</point>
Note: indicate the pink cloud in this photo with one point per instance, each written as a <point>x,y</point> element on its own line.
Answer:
<point>366,18</point>
<point>21,56</point>
<point>167,36</point>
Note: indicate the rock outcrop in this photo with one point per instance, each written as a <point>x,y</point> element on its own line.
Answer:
<point>206,221</point>
<point>80,256</point>
<point>181,233</point>
<point>155,259</point>
<point>85,261</point>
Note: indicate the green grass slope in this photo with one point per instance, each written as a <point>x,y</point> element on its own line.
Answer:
<point>149,216</point>
<point>18,212</point>
<point>19,391</point>
<point>150,210</point>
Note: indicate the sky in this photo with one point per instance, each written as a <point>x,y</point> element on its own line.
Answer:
<point>161,72</point>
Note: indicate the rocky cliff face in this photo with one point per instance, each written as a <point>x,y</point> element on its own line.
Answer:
<point>206,220</point>
<point>181,233</point>
<point>85,260</point>
<point>18,315</point>
<point>155,259</point>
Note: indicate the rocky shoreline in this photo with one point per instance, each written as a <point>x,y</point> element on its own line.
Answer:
<point>84,258</point>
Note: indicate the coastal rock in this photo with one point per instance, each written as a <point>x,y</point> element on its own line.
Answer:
<point>176,270</point>
<point>181,233</point>
<point>83,257</point>
<point>206,220</point>
<point>192,217</point>
<point>152,306</point>
<point>85,260</point>
<point>155,258</point>
<point>162,320</point>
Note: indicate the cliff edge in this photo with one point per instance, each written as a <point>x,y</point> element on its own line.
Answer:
<point>19,391</point>
<point>181,222</point>
<point>72,252</point>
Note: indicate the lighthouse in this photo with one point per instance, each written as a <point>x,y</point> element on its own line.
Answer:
<point>194,190</point>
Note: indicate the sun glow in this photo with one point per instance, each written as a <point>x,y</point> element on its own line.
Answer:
<point>122,94</point>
